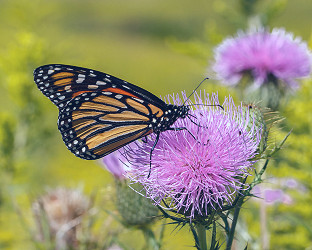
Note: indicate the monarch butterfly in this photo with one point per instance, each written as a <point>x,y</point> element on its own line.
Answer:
<point>99,113</point>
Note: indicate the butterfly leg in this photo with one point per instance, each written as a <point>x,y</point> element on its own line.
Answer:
<point>184,128</point>
<point>144,139</point>
<point>155,143</point>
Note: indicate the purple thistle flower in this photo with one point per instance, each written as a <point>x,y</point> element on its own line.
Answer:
<point>265,55</point>
<point>196,176</point>
<point>291,183</point>
<point>114,164</point>
<point>272,196</point>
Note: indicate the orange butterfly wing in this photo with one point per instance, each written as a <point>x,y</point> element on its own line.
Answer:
<point>99,113</point>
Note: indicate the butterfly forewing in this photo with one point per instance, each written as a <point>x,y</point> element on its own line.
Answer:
<point>61,83</point>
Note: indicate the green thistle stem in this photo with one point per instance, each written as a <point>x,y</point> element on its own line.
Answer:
<point>201,233</point>
<point>150,239</point>
<point>240,202</point>
<point>213,236</point>
<point>234,222</point>
<point>258,176</point>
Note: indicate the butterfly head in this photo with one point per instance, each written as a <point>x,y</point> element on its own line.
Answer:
<point>183,111</point>
<point>174,112</point>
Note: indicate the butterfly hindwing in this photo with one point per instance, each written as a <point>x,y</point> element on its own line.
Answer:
<point>94,124</point>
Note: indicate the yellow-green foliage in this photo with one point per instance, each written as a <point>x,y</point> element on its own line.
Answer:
<point>163,46</point>
<point>295,161</point>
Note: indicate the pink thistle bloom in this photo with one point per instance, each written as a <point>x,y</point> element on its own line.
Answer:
<point>114,163</point>
<point>264,55</point>
<point>195,176</point>
<point>272,196</point>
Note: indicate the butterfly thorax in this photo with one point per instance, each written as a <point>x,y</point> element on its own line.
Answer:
<point>172,113</point>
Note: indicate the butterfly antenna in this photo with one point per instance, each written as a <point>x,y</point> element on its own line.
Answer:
<point>195,90</point>
<point>207,105</point>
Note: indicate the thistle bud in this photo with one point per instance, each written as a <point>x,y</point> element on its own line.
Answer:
<point>135,209</point>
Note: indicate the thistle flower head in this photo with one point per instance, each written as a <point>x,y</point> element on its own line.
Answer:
<point>197,175</point>
<point>266,56</point>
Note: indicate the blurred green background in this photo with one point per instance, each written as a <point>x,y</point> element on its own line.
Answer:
<point>164,46</point>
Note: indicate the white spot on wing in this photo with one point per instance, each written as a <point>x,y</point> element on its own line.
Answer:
<point>93,87</point>
<point>139,100</point>
<point>81,78</point>
<point>100,83</point>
